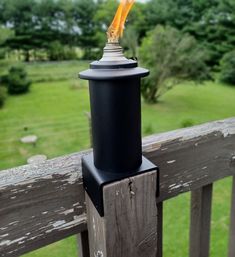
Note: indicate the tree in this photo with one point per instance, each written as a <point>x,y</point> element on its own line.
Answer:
<point>171,57</point>
<point>84,12</point>
<point>227,66</point>
<point>5,34</point>
<point>211,22</point>
<point>38,23</point>
<point>18,15</point>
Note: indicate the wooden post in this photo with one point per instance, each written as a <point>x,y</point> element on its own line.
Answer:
<point>129,225</point>
<point>160,230</point>
<point>83,244</point>
<point>82,238</point>
<point>201,202</point>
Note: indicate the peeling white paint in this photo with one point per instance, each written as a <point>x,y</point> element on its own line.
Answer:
<point>68,211</point>
<point>13,223</point>
<point>171,161</point>
<point>60,226</point>
<point>33,237</point>
<point>10,242</point>
<point>58,223</point>
<point>5,235</point>
<point>176,186</point>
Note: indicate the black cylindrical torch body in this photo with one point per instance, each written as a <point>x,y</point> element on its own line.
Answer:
<point>116,124</point>
<point>115,100</point>
<point>114,86</point>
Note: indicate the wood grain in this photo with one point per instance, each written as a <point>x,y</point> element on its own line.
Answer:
<point>201,201</point>
<point>34,197</point>
<point>129,225</point>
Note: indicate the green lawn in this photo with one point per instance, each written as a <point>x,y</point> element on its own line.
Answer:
<point>54,110</point>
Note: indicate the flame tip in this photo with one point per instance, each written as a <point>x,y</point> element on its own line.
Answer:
<point>115,30</point>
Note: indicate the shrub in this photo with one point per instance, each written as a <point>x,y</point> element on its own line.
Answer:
<point>55,51</point>
<point>69,53</point>
<point>148,129</point>
<point>227,67</point>
<point>18,82</point>
<point>58,52</point>
<point>187,123</point>
<point>2,96</point>
<point>4,80</point>
<point>171,57</point>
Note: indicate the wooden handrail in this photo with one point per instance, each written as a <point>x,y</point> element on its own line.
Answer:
<point>44,203</point>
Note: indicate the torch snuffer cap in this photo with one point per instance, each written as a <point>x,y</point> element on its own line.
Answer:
<point>113,65</point>
<point>113,52</point>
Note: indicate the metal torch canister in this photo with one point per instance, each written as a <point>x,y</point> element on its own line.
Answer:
<point>114,86</point>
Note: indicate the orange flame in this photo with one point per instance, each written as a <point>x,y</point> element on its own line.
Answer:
<point>115,30</point>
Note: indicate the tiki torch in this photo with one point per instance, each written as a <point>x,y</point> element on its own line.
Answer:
<point>114,87</point>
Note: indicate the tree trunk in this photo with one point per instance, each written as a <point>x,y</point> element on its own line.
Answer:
<point>27,56</point>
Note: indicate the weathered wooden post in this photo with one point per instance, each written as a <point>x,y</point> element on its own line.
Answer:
<point>121,184</point>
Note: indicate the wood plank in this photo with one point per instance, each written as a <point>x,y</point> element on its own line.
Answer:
<point>83,244</point>
<point>40,204</point>
<point>231,248</point>
<point>201,201</point>
<point>129,225</point>
<point>193,157</point>
<point>188,158</point>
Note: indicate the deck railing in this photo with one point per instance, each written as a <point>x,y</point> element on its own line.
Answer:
<point>41,204</point>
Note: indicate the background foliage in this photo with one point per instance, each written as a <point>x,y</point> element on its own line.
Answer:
<point>36,24</point>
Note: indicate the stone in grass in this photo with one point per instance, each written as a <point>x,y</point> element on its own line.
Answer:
<point>32,139</point>
<point>36,159</point>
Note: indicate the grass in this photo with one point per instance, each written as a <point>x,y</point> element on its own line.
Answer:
<point>54,110</point>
